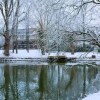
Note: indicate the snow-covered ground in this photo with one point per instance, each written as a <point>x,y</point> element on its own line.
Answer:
<point>78,55</point>
<point>23,54</point>
<point>37,54</point>
<point>95,96</point>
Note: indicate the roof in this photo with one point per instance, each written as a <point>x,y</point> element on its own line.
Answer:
<point>23,31</point>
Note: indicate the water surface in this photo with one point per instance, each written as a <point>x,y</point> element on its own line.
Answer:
<point>48,82</point>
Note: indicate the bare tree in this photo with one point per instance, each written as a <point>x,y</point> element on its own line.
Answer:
<point>83,26</point>
<point>43,19</point>
<point>27,30</point>
<point>15,25</point>
<point>41,37</point>
<point>7,7</point>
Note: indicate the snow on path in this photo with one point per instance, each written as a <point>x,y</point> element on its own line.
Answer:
<point>95,96</point>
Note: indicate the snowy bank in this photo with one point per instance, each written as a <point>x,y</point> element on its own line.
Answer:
<point>95,96</point>
<point>36,54</point>
<point>23,54</point>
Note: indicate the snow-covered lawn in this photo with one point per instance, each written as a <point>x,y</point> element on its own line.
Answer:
<point>23,54</point>
<point>37,54</point>
<point>95,96</point>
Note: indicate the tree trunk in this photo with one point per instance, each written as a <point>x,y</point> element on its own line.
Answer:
<point>6,45</point>
<point>72,48</point>
<point>16,46</point>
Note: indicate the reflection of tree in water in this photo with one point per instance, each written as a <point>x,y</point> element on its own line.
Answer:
<point>42,82</point>
<point>93,82</point>
<point>10,85</point>
<point>14,85</point>
<point>62,82</point>
<point>72,77</point>
<point>84,81</point>
<point>27,82</point>
<point>7,80</point>
<point>73,86</point>
<point>92,72</point>
<point>53,82</point>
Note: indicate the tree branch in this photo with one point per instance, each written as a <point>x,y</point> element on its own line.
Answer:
<point>1,9</point>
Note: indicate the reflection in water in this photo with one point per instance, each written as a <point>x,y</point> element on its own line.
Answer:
<point>7,81</point>
<point>92,72</point>
<point>72,74</point>
<point>41,82</point>
<point>84,81</point>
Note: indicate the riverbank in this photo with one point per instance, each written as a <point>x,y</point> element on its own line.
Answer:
<point>36,55</point>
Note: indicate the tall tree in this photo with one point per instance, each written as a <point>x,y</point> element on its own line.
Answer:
<point>7,7</point>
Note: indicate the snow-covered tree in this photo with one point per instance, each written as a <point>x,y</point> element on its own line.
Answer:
<point>8,8</point>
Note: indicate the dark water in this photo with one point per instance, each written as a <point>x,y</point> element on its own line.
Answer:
<point>48,82</point>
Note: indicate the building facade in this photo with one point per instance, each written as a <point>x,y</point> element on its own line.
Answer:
<point>23,39</point>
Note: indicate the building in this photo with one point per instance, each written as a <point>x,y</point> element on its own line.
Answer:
<point>30,39</point>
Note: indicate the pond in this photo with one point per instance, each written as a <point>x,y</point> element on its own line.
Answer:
<point>48,82</point>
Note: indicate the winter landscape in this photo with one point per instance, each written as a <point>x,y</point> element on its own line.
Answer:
<point>49,50</point>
